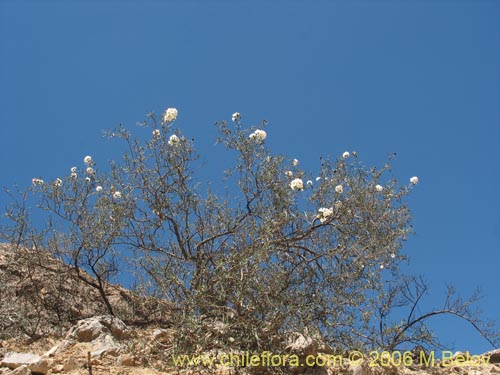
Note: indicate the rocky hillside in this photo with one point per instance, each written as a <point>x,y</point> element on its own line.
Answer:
<point>52,322</point>
<point>40,295</point>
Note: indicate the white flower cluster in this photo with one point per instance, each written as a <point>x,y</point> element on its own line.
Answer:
<point>37,181</point>
<point>324,214</point>
<point>289,173</point>
<point>173,140</point>
<point>297,184</point>
<point>414,180</point>
<point>258,135</point>
<point>98,188</point>
<point>339,189</point>
<point>156,133</point>
<point>170,115</point>
<point>379,188</point>
<point>346,154</point>
<point>87,159</point>
<point>236,117</point>
<point>58,182</point>
<point>117,195</point>
<point>295,162</point>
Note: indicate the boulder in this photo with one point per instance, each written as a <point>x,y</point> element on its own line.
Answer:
<point>87,330</point>
<point>14,360</point>
<point>41,367</point>
<point>105,344</point>
<point>494,356</point>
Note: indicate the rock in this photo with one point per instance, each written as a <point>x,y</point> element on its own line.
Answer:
<point>359,369</point>
<point>125,360</point>
<point>22,370</point>
<point>494,356</point>
<point>87,330</point>
<point>51,351</point>
<point>57,369</point>
<point>14,360</point>
<point>41,367</point>
<point>302,345</point>
<point>95,362</point>
<point>73,364</point>
<point>105,345</point>
<point>164,336</point>
<point>307,344</point>
<point>223,370</point>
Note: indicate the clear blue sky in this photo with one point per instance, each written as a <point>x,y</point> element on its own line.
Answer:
<point>420,78</point>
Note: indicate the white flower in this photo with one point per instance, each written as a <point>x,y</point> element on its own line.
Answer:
<point>324,213</point>
<point>73,169</point>
<point>345,155</point>
<point>90,170</point>
<point>318,178</point>
<point>339,189</point>
<point>289,173</point>
<point>170,115</point>
<point>295,162</point>
<point>87,159</point>
<point>381,266</point>
<point>297,184</point>
<point>236,116</point>
<point>393,255</point>
<point>117,195</point>
<point>37,181</point>
<point>98,188</point>
<point>173,140</point>
<point>379,187</point>
<point>87,179</point>
<point>74,175</point>
<point>258,135</point>
<point>414,180</point>
<point>338,205</point>
<point>309,183</point>
<point>156,133</point>
<point>58,182</point>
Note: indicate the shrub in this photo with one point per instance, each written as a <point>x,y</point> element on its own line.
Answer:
<point>269,250</point>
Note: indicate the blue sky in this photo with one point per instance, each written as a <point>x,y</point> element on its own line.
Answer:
<point>419,78</point>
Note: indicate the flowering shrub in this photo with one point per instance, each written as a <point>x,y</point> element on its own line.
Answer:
<point>263,258</point>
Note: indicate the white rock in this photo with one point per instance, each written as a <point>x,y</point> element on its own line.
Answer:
<point>51,351</point>
<point>89,329</point>
<point>105,344</point>
<point>14,360</point>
